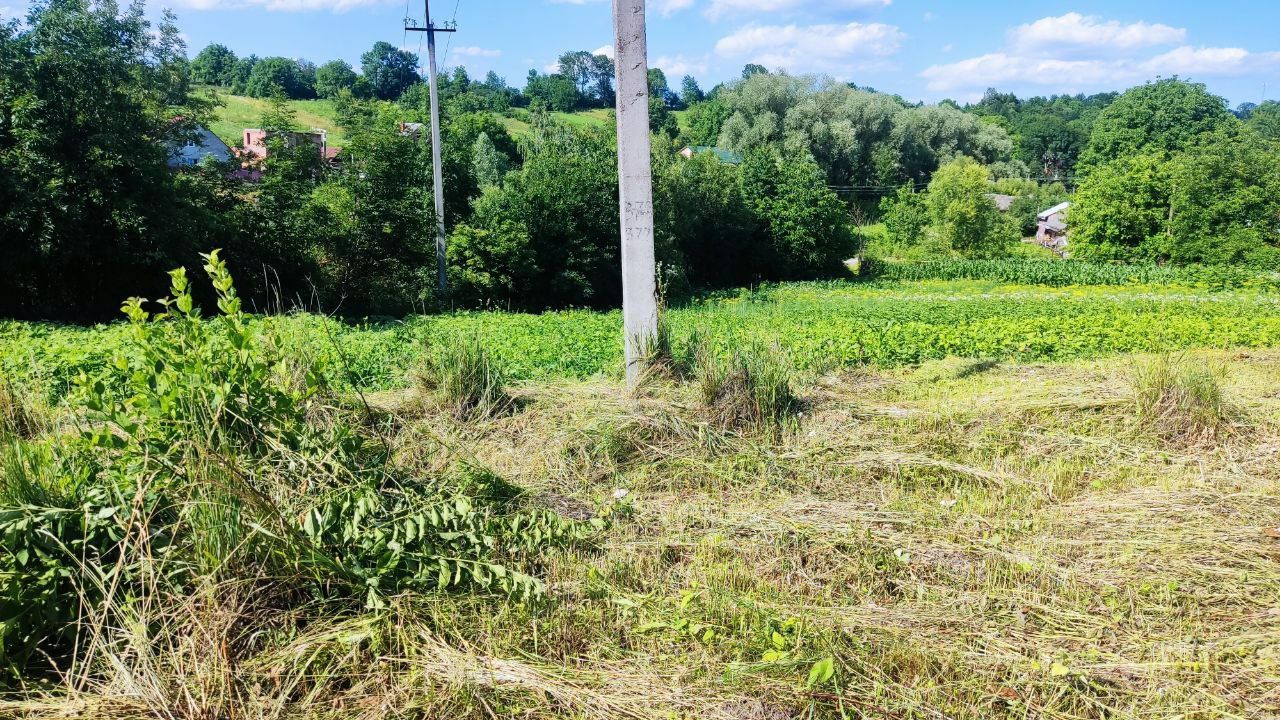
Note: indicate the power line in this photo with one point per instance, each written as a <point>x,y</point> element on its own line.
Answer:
<point>449,43</point>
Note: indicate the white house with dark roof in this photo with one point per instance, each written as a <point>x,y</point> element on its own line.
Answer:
<point>202,143</point>
<point>1051,227</point>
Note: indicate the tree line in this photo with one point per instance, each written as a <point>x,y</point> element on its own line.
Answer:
<point>90,212</point>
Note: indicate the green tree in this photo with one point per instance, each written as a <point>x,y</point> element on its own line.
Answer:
<point>389,70</point>
<point>690,92</point>
<point>702,223</point>
<point>1265,120</point>
<point>382,257</point>
<point>1120,210</point>
<point>706,119</point>
<point>272,73</point>
<point>89,212</point>
<point>555,92</point>
<point>805,224</point>
<point>488,165</point>
<point>564,199</point>
<point>333,77</point>
<point>906,216</point>
<point>963,216</point>
<point>1165,117</point>
<point>214,65</point>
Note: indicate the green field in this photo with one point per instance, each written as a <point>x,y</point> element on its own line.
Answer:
<point>823,326</point>
<point>240,112</point>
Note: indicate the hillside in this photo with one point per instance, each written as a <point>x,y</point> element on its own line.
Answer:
<point>240,112</point>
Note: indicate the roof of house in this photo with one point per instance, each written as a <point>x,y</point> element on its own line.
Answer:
<point>725,156</point>
<point>1003,202</point>
<point>1053,210</point>
<point>1056,226</point>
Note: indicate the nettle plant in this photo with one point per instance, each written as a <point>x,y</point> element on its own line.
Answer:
<point>209,450</point>
<point>225,397</point>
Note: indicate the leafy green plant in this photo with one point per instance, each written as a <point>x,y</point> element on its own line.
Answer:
<point>208,453</point>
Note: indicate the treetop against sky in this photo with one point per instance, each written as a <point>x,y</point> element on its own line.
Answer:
<point>921,49</point>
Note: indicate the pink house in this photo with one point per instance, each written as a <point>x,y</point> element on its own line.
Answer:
<point>254,141</point>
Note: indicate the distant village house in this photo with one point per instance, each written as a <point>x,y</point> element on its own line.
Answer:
<point>195,148</point>
<point>254,142</point>
<point>1051,228</point>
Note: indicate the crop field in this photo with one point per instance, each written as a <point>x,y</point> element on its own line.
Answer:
<point>822,326</point>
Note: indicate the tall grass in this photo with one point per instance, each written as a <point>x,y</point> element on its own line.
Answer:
<point>1179,398</point>
<point>750,387</point>
<point>22,413</point>
<point>464,378</point>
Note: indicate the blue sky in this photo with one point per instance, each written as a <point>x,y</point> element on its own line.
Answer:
<point>921,49</point>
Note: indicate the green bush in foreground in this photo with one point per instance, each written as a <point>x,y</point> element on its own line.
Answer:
<point>208,456</point>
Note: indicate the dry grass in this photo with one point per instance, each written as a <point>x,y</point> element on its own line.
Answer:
<point>964,540</point>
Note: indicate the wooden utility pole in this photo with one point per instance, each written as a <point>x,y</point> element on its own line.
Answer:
<point>442,282</point>
<point>635,185</point>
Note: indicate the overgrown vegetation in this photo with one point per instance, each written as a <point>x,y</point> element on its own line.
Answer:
<point>463,377</point>
<point>751,387</point>
<point>770,575</point>
<point>210,454</point>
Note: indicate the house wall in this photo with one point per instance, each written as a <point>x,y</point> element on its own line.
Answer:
<point>204,144</point>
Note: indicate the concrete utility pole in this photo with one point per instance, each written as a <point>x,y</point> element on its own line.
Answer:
<point>635,184</point>
<point>442,282</point>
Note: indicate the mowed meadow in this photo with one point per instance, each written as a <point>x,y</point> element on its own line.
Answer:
<point>961,498</point>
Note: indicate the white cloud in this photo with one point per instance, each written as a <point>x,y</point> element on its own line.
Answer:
<point>1082,75</point>
<point>606,50</point>
<point>1189,60</point>
<point>679,66</point>
<point>668,7</point>
<point>832,49</point>
<point>719,8</point>
<point>477,52</point>
<point>281,5</point>
<point>1073,33</point>
<point>1078,53</point>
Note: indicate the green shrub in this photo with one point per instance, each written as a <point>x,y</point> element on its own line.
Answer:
<point>208,455</point>
<point>463,377</point>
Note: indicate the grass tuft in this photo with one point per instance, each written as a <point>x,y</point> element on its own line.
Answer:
<point>464,378</point>
<point>750,388</point>
<point>22,414</point>
<point>1180,399</point>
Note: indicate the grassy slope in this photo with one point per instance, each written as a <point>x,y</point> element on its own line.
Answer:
<point>242,112</point>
